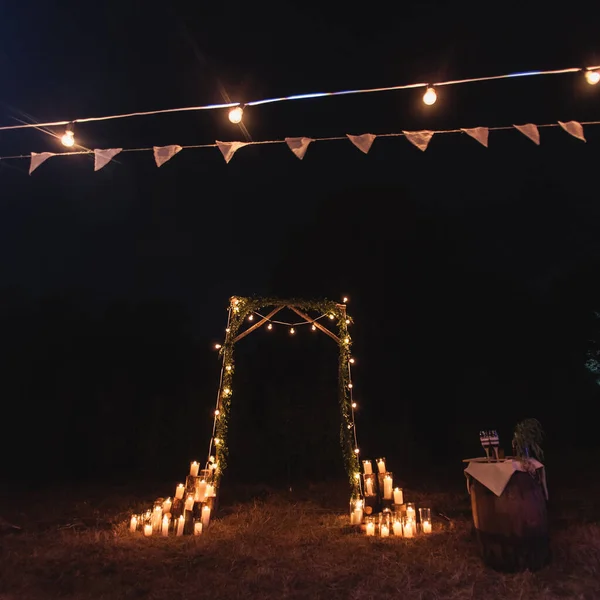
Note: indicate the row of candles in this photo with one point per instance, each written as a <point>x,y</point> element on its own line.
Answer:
<point>170,516</point>
<point>401,524</point>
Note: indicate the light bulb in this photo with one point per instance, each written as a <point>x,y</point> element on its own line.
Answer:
<point>269,326</point>
<point>292,331</point>
<point>345,299</point>
<point>236,114</point>
<point>350,386</point>
<point>226,391</point>
<point>346,340</point>
<point>351,361</point>
<point>217,346</point>
<point>332,317</point>
<point>592,77</point>
<point>227,330</point>
<point>228,367</point>
<point>354,405</point>
<point>430,96</point>
<point>217,412</point>
<point>251,318</point>
<point>356,475</point>
<point>217,441</point>
<point>347,321</point>
<point>68,139</point>
<point>356,450</point>
<point>314,327</point>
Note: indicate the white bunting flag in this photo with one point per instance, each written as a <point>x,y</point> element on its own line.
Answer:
<point>298,145</point>
<point>37,158</point>
<point>531,131</point>
<point>420,139</point>
<point>362,142</point>
<point>574,128</point>
<point>164,153</point>
<point>479,133</point>
<point>228,149</point>
<point>103,157</point>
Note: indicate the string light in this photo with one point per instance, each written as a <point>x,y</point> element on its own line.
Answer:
<point>251,318</point>
<point>292,331</point>
<point>345,299</point>
<point>228,368</point>
<point>351,361</point>
<point>592,77</point>
<point>217,346</point>
<point>314,327</point>
<point>350,386</point>
<point>270,326</point>
<point>68,138</point>
<point>217,412</point>
<point>332,317</point>
<point>227,330</point>
<point>346,340</point>
<point>430,96</point>
<point>236,114</point>
<point>354,405</point>
<point>356,450</point>
<point>347,321</point>
<point>217,441</point>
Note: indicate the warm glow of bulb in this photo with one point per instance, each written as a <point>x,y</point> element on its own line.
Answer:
<point>347,321</point>
<point>217,346</point>
<point>68,139</point>
<point>236,114</point>
<point>217,412</point>
<point>228,367</point>
<point>332,317</point>
<point>351,361</point>
<point>226,391</point>
<point>251,318</point>
<point>350,386</point>
<point>347,341</point>
<point>345,299</point>
<point>292,331</point>
<point>430,96</point>
<point>592,77</point>
<point>356,450</point>
<point>354,405</point>
<point>227,330</point>
<point>356,475</point>
<point>314,327</point>
<point>269,326</point>
<point>217,441</point>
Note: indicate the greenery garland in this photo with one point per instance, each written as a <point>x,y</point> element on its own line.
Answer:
<point>240,310</point>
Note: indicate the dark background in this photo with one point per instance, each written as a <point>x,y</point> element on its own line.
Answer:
<point>472,273</point>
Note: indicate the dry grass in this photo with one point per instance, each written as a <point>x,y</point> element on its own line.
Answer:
<point>280,547</point>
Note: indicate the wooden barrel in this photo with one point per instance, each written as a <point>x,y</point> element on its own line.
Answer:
<point>512,529</point>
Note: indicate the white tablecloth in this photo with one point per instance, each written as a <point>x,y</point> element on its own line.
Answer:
<point>496,475</point>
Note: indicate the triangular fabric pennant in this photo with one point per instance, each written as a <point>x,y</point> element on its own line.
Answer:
<point>531,131</point>
<point>574,128</point>
<point>103,157</point>
<point>298,146</point>
<point>228,149</point>
<point>164,153</point>
<point>37,158</point>
<point>420,139</point>
<point>479,133</point>
<point>362,142</point>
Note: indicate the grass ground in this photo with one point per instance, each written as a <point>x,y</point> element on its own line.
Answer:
<point>267,545</point>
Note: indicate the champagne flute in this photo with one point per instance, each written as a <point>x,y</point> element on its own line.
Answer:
<point>484,438</point>
<point>495,442</point>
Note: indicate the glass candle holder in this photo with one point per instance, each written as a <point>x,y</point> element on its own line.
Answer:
<point>425,519</point>
<point>370,485</point>
<point>409,511</point>
<point>409,527</point>
<point>356,511</point>
<point>388,489</point>
<point>398,496</point>
<point>367,467</point>
<point>397,526</point>
<point>370,525</point>
<point>381,465</point>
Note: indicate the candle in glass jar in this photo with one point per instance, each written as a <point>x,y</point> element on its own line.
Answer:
<point>426,527</point>
<point>156,517</point>
<point>147,530</point>
<point>205,516</point>
<point>385,531</point>
<point>194,469</point>
<point>397,528</point>
<point>369,486</point>
<point>409,530</point>
<point>357,516</point>
<point>381,465</point>
<point>133,523</point>
<point>165,525</point>
<point>180,524</point>
<point>367,467</point>
<point>370,528</point>
<point>410,513</point>
<point>398,496</point>
<point>387,487</point>
<point>179,491</point>
<point>201,491</point>
<point>189,503</point>
<point>167,505</point>
<point>210,490</point>
<point>197,528</point>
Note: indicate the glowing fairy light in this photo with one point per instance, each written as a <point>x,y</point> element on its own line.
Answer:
<point>270,326</point>
<point>292,331</point>
<point>217,346</point>
<point>236,114</point>
<point>314,327</point>
<point>592,77</point>
<point>430,96</point>
<point>68,139</point>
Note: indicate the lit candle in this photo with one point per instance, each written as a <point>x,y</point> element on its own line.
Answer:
<point>410,513</point>
<point>367,467</point>
<point>397,528</point>
<point>387,487</point>
<point>133,523</point>
<point>189,503</point>
<point>385,531</point>
<point>165,525</point>
<point>409,530</point>
<point>398,496</point>
<point>210,490</point>
<point>179,491</point>
<point>426,527</point>
<point>381,465</point>
<point>201,491</point>
<point>205,516</point>
<point>147,530</point>
<point>370,528</point>
<point>197,528</point>
<point>180,525</point>
<point>156,517</point>
<point>357,516</point>
<point>369,486</point>
<point>194,469</point>
<point>167,505</point>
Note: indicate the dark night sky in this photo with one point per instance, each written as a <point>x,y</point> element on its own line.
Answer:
<point>472,272</point>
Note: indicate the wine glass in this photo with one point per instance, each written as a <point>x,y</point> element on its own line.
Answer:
<point>494,442</point>
<point>484,438</point>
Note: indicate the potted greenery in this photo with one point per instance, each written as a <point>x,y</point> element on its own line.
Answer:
<point>527,438</point>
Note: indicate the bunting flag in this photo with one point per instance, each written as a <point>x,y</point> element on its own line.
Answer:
<point>531,131</point>
<point>362,142</point>
<point>103,157</point>
<point>164,153</point>
<point>298,145</point>
<point>228,149</point>
<point>420,139</point>
<point>37,158</point>
<point>479,133</point>
<point>574,128</point>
